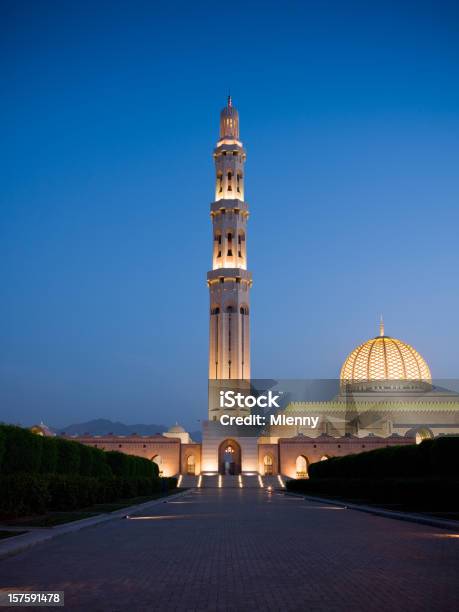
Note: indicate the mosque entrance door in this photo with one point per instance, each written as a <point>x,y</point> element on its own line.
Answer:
<point>229,457</point>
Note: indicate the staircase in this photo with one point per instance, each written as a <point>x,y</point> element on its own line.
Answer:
<point>244,481</point>
<point>188,481</point>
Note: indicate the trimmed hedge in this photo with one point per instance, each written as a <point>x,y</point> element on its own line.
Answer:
<point>49,457</point>
<point>430,493</point>
<point>51,473</point>
<point>438,457</point>
<point>2,446</point>
<point>23,450</point>
<point>24,494</point>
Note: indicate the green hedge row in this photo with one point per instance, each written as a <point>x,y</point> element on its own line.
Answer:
<point>430,493</point>
<point>25,494</point>
<point>22,451</point>
<point>438,457</point>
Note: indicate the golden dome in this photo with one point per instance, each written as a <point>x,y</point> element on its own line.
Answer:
<point>384,358</point>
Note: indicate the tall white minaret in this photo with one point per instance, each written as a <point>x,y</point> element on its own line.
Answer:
<point>229,281</point>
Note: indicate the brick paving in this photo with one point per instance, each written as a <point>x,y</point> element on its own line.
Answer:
<point>230,549</point>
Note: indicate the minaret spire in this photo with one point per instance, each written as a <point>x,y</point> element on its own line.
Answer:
<point>381,326</point>
<point>229,280</point>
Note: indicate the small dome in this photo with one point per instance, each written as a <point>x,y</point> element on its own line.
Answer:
<point>229,121</point>
<point>176,429</point>
<point>384,358</point>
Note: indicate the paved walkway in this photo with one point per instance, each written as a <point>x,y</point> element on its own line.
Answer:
<point>230,549</point>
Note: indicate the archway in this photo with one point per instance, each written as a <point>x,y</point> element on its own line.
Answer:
<point>190,465</point>
<point>229,457</point>
<point>423,434</point>
<point>268,465</point>
<point>159,462</point>
<point>301,467</point>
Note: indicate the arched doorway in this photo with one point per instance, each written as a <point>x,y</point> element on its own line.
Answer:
<point>423,434</point>
<point>268,465</point>
<point>190,465</point>
<point>301,467</point>
<point>159,462</point>
<point>229,457</point>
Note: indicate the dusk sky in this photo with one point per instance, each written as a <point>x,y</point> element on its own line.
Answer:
<point>110,112</point>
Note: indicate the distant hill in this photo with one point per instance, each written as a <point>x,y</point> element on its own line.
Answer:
<point>101,427</point>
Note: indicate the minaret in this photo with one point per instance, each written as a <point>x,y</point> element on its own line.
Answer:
<point>229,281</point>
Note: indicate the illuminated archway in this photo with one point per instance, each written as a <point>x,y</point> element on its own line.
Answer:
<point>423,434</point>
<point>159,462</point>
<point>190,465</point>
<point>301,467</point>
<point>267,465</point>
<point>229,457</point>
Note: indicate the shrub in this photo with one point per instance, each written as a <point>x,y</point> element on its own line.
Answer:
<point>427,493</point>
<point>86,455</point>
<point>23,494</point>
<point>22,450</point>
<point>171,482</point>
<point>49,456</point>
<point>439,456</point>
<point>118,463</point>
<point>69,492</point>
<point>99,465</point>
<point>68,461</point>
<point>443,455</point>
<point>2,447</point>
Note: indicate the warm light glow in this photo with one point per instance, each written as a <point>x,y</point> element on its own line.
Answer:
<point>179,481</point>
<point>385,358</point>
<point>260,481</point>
<point>219,481</point>
<point>199,481</point>
<point>240,482</point>
<point>281,482</point>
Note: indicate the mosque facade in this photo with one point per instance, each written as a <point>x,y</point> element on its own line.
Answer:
<point>385,395</point>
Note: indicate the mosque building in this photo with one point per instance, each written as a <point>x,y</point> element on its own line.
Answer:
<point>385,394</point>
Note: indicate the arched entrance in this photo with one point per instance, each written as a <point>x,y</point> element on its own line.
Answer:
<point>159,462</point>
<point>301,467</point>
<point>423,434</point>
<point>229,457</point>
<point>268,465</point>
<point>190,465</point>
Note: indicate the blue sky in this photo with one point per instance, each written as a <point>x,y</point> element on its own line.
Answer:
<point>349,113</point>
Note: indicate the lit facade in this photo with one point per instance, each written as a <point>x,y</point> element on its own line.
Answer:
<point>385,398</point>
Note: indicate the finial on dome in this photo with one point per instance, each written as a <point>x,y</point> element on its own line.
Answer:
<point>230,101</point>
<point>381,326</point>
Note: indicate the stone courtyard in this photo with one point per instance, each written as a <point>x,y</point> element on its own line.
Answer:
<point>245,549</point>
